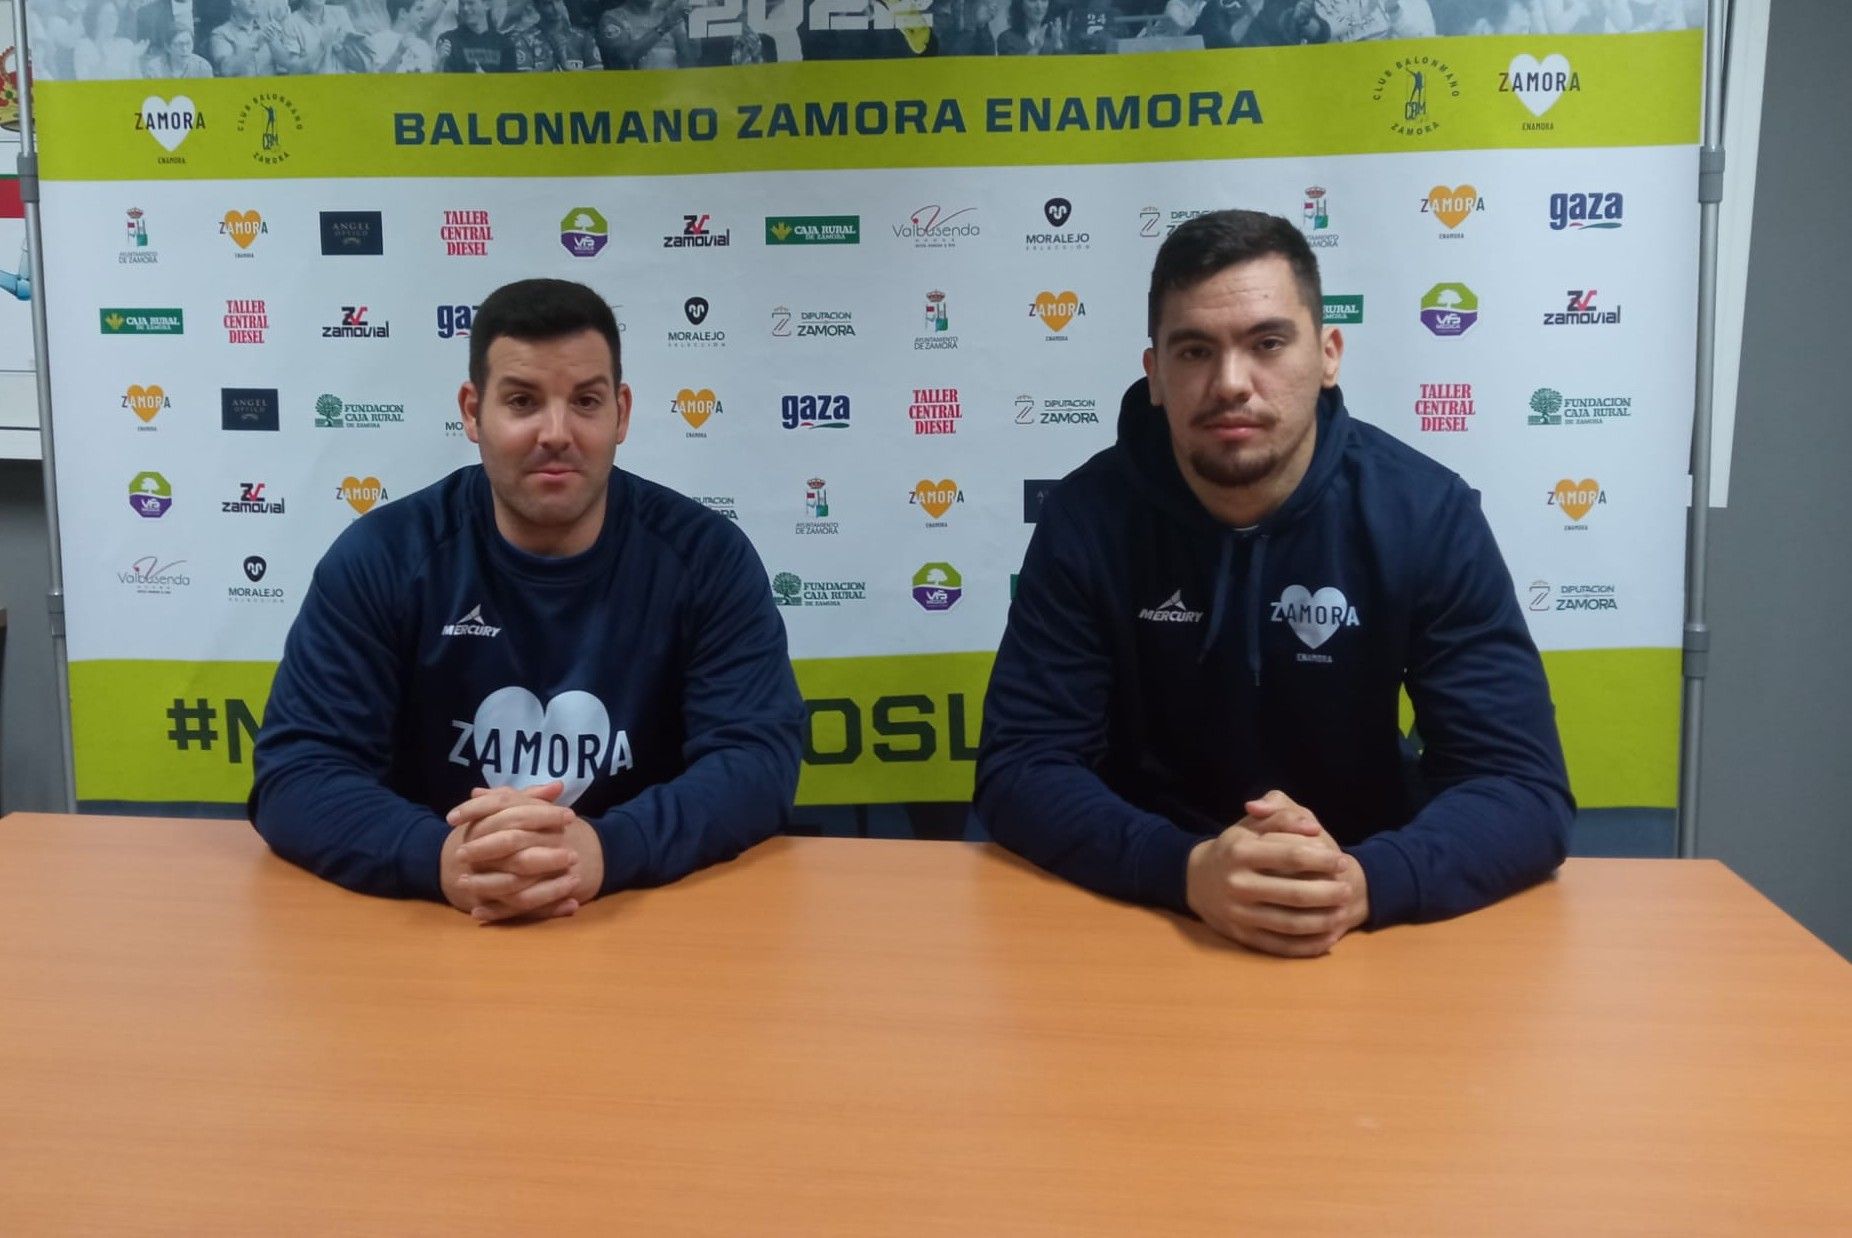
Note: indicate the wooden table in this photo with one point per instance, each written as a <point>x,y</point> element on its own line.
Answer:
<point>852,1037</point>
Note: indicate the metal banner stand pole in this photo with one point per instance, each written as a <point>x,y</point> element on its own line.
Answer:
<point>54,597</point>
<point>1697,636</point>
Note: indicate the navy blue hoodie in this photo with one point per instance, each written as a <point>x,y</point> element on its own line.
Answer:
<point>1161,668</point>
<point>649,674</point>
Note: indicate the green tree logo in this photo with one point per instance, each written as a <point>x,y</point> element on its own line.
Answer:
<point>1548,407</point>
<point>787,589</point>
<point>328,412</point>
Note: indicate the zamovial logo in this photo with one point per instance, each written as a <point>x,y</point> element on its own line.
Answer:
<point>145,402</point>
<point>243,227</point>
<point>934,227</point>
<point>1449,309</point>
<point>1315,218</point>
<point>936,499</point>
<point>790,589</point>
<point>935,410</point>
<point>1059,212</point>
<point>1057,310</point>
<point>1550,407</point>
<point>1538,84</point>
<point>141,321</point>
<point>813,229</point>
<point>334,413</point>
<point>515,741</point>
<point>583,231</point>
<point>814,412</point>
<point>1581,311</point>
<point>695,407</point>
<point>246,322</point>
<point>273,122</point>
<point>1172,609</point>
<point>938,323</point>
<point>1314,617</point>
<point>362,494</point>
<point>150,496</point>
<point>356,325</point>
<point>812,323</point>
<point>1576,499</point>
<point>169,122</point>
<point>1412,88</point>
<point>696,311</point>
<point>937,586</point>
<point>816,510</point>
<point>466,234</point>
<point>254,569</point>
<point>1452,207</point>
<point>471,624</point>
<point>454,321</point>
<point>1445,407</point>
<point>150,576</point>
<point>252,501</point>
<point>698,232</point>
<point>1056,412</point>
<point>137,253</point>
<point>1585,212</point>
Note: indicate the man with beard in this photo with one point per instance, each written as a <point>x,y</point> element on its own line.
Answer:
<point>538,680</point>
<point>1195,704</point>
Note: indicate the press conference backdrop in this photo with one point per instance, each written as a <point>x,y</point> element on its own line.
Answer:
<point>870,311</point>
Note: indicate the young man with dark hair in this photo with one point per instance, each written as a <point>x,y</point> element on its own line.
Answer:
<point>541,679</point>
<point>1195,704</point>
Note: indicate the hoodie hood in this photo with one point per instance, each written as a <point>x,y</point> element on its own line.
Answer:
<point>1144,445</point>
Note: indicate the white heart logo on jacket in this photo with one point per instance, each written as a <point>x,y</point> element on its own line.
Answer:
<point>1314,617</point>
<point>520,743</point>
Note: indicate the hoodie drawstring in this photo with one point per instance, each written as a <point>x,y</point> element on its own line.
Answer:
<point>1218,599</point>
<point>1256,562</point>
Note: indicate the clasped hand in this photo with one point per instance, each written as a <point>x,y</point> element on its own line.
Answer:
<point>518,855</point>
<point>1277,882</point>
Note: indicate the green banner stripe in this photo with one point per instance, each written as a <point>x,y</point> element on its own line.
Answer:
<point>1355,98</point>
<point>883,730</point>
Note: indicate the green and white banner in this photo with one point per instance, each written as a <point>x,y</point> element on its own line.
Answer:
<point>870,310</point>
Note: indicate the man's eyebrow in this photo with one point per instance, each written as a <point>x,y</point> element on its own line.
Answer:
<point>1266,326</point>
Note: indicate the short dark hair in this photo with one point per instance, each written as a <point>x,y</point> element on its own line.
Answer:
<point>1209,244</point>
<point>540,309</point>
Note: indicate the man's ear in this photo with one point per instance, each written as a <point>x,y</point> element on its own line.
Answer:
<point>467,405</point>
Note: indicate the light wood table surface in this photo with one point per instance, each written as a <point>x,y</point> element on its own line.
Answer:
<point>856,1037</point>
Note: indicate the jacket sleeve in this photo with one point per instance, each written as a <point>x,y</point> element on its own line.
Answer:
<point>743,721</point>
<point>319,796</point>
<point>1038,792</point>
<point>1499,817</point>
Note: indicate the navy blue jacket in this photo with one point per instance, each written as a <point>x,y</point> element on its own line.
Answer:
<point>649,674</point>
<point>1160,668</point>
